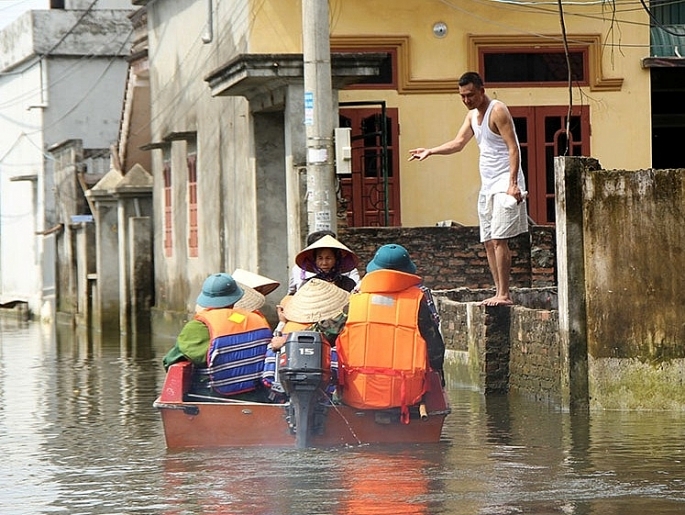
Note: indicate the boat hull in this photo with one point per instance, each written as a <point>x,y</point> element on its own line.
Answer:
<point>226,423</point>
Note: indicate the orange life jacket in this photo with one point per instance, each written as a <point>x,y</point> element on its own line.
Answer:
<point>238,341</point>
<point>383,357</point>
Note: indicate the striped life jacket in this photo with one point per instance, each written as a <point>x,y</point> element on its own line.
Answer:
<point>383,357</point>
<point>238,341</point>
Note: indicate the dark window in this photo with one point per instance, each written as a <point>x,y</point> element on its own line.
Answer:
<point>668,12</point>
<point>530,66</point>
<point>387,74</point>
<point>56,4</point>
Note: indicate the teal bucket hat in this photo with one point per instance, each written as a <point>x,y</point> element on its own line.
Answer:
<point>392,257</point>
<point>219,291</point>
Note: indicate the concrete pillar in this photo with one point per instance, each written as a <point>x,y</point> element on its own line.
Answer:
<point>124,278</point>
<point>568,173</point>
<point>295,170</point>
<point>106,308</point>
<point>85,266</point>
<point>141,273</point>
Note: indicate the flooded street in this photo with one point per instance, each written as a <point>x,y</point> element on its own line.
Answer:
<point>79,435</point>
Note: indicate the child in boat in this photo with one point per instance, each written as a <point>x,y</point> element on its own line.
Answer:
<point>226,344</point>
<point>329,260</point>
<point>298,276</point>
<point>317,306</point>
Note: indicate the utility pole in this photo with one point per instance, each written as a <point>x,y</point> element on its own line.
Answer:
<point>318,116</point>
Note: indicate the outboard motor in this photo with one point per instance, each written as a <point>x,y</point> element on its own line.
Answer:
<point>304,372</point>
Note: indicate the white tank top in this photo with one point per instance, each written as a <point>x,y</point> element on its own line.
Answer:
<point>494,156</point>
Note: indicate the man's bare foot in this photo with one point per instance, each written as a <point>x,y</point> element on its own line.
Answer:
<point>497,301</point>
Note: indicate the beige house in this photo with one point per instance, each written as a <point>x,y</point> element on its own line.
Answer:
<point>228,137</point>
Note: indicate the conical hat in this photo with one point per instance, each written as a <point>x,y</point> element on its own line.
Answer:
<point>316,300</point>
<point>306,261</point>
<point>262,284</point>
<point>251,299</point>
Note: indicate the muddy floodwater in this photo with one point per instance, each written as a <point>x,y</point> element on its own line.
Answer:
<point>79,435</point>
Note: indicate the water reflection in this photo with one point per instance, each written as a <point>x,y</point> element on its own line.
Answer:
<point>78,434</point>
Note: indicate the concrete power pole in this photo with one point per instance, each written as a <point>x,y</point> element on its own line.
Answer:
<point>318,116</point>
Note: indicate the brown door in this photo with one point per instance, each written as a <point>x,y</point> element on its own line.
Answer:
<point>542,135</point>
<point>371,193</point>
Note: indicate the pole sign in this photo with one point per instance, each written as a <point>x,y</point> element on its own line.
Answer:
<point>309,108</point>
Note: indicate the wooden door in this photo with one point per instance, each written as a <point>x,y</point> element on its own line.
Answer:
<point>542,136</point>
<point>371,193</point>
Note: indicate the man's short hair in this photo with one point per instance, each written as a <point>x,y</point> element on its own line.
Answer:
<point>471,78</point>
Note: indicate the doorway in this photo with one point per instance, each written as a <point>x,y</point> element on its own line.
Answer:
<point>542,136</point>
<point>371,192</point>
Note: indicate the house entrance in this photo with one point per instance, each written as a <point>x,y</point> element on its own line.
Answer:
<point>371,193</point>
<point>542,135</point>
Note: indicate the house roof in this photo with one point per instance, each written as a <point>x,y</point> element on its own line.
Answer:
<point>250,75</point>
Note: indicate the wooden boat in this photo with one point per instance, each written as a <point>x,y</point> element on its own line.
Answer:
<point>193,421</point>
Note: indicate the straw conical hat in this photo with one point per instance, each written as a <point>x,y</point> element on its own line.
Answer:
<point>251,299</point>
<point>305,259</point>
<point>316,300</point>
<point>262,284</point>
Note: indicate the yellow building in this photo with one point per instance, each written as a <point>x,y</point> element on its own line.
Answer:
<point>227,116</point>
<point>519,50</point>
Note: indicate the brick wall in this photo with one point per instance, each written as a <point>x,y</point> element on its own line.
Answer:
<point>535,354</point>
<point>506,348</point>
<point>454,257</point>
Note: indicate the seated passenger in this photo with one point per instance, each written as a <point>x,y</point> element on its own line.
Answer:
<point>390,338</point>
<point>298,276</point>
<point>261,284</point>
<point>329,260</point>
<point>225,344</point>
<point>317,306</point>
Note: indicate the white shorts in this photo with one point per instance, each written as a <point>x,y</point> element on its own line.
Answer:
<point>501,217</point>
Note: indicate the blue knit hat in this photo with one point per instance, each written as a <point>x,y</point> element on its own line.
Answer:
<point>393,257</point>
<point>219,291</point>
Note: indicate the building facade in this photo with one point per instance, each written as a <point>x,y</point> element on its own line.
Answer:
<point>228,114</point>
<point>62,78</point>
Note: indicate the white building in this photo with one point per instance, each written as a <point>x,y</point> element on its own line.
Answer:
<point>62,76</point>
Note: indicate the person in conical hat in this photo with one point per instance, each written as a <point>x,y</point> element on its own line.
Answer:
<point>328,259</point>
<point>262,284</point>
<point>298,276</point>
<point>252,282</point>
<point>317,306</point>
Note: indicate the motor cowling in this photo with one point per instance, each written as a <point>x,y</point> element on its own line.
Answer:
<point>304,370</point>
<point>305,362</point>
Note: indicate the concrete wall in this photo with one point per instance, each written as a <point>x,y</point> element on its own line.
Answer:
<point>613,339</point>
<point>633,239</point>
<point>223,136</point>
<point>62,96</point>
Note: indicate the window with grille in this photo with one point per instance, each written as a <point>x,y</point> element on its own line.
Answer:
<point>192,206</point>
<point>168,207</point>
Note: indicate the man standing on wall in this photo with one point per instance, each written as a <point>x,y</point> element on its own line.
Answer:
<point>501,202</point>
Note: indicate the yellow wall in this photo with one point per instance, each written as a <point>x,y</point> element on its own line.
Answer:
<point>446,187</point>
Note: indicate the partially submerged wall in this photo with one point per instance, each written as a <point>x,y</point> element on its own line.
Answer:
<point>611,336</point>
<point>634,241</point>
<point>505,348</point>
